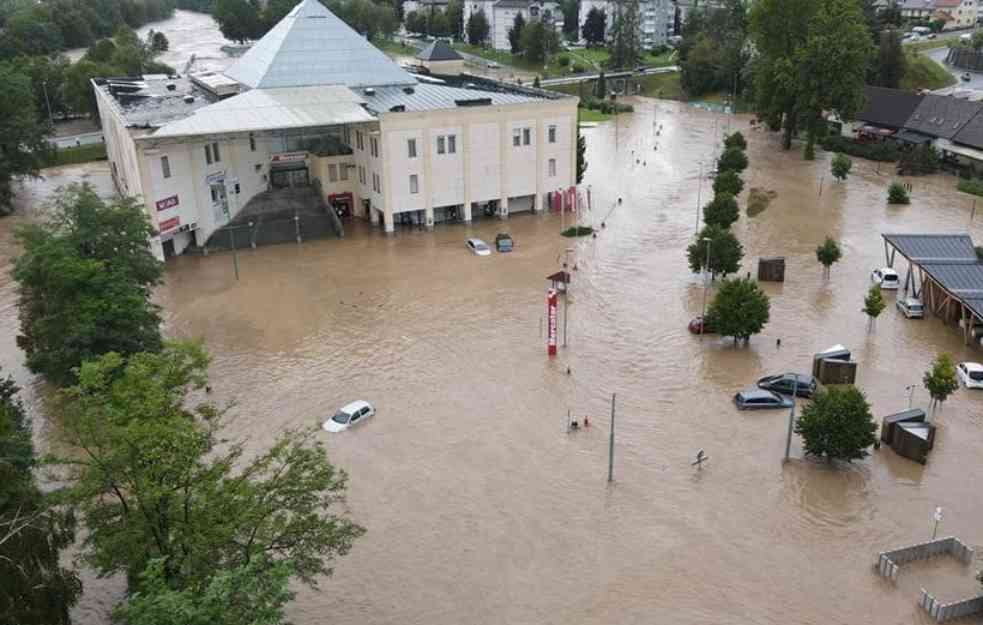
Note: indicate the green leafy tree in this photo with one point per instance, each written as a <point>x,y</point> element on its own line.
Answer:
<point>827,254</point>
<point>722,211</point>
<point>922,160</point>
<point>713,54</point>
<point>154,481</point>
<point>478,28</point>
<point>728,181</point>
<point>455,19</point>
<point>873,305</point>
<point>84,283</point>
<point>571,18</point>
<point>626,45</point>
<point>47,76</point>
<point>276,10</point>
<point>601,87</point>
<point>897,194</point>
<point>581,156</point>
<point>837,424</point>
<point>726,251</point>
<point>595,27</point>
<point>733,159</point>
<point>23,143</point>
<point>515,33</point>
<point>238,20</point>
<point>36,589</point>
<point>699,72</point>
<point>157,41</point>
<point>252,593</point>
<point>537,41</point>
<point>977,41</point>
<point>739,309</point>
<point>890,63</point>
<point>735,140</point>
<point>941,380</point>
<point>840,166</point>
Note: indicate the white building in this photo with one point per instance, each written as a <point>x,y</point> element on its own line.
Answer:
<point>656,19</point>
<point>313,99</point>
<point>501,16</point>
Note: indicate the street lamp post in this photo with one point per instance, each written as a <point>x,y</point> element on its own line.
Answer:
<point>566,293</point>
<point>791,416</point>
<point>706,285</point>
<point>44,86</point>
<point>910,389</point>
<point>699,197</point>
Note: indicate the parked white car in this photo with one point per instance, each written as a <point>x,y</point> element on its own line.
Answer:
<point>478,247</point>
<point>971,373</point>
<point>349,416</point>
<point>911,307</point>
<point>886,277</point>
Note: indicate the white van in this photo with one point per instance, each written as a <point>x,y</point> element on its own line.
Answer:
<point>967,37</point>
<point>921,30</point>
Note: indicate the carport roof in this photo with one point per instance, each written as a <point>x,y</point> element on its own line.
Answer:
<point>934,248</point>
<point>964,280</point>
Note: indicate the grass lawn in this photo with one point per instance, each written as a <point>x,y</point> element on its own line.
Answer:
<point>516,61</point>
<point>929,44</point>
<point>80,154</point>
<point>395,47</point>
<point>922,72</point>
<point>665,86</point>
<point>586,115</point>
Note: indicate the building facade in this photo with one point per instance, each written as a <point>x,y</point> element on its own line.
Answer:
<point>313,100</point>
<point>501,16</point>
<point>656,19</point>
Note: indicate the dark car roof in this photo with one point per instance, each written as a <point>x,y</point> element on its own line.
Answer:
<point>753,393</point>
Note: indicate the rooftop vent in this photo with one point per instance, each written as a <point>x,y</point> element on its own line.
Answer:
<point>171,86</point>
<point>189,99</point>
<point>469,85</point>
<point>409,90</point>
<point>369,91</point>
<point>399,108</point>
<point>474,102</point>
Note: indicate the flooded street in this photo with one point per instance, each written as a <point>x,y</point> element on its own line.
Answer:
<point>480,508</point>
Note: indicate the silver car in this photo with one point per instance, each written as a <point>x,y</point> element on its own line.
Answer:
<point>760,399</point>
<point>911,307</point>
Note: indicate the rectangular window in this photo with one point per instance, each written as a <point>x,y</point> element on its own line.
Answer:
<point>526,136</point>
<point>358,140</point>
<point>441,145</point>
<point>218,159</point>
<point>332,173</point>
<point>516,137</point>
<point>374,147</point>
<point>552,134</point>
<point>411,147</point>
<point>552,167</point>
<point>452,144</point>
<point>252,143</point>
<point>414,184</point>
<point>165,166</point>
<point>343,171</point>
<point>208,154</point>
<point>214,193</point>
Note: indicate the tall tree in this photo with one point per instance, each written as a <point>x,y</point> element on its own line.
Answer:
<point>837,424</point>
<point>595,27</point>
<point>890,62</point>
<point>23,132</point>
<point>455,19</point>
<point>873,305</point>
<point>571,18</point>
<point>36,589</point>
<point>538,42</point>
<point>941,380</point>
<point>154,481</point>
<point>515,33</point>
<point>827,254</point>
<point>238,19</point>
<point>739,309</point>
<point>478,28</point>
<point>726,251</point>
<point>721,211</point>
<point>626,44</point>
<point>84,283</point>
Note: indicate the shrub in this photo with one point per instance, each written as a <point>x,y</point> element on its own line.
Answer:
<point>733,159</point>
<point>897,194</point>
<point>722,211</point>
<point>883,151</point>
<point>563,60</point>
<point>971,186</point>
<point>840,166</point>
<point>924,159</point>
<point>578,68</point>
<point>735,140</point>
<point>577,231</point>
<point>728,182</point>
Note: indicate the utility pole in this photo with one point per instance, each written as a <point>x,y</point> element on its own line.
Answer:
<point>44,85</point>
<point>791,416</point>
<point>706,270</point>
<point>611,444</point>
<point>566,292</point>
<point>699,192</point>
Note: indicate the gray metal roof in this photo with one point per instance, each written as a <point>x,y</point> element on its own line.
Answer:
<point>933,247</point>
<point>154,100</point>
<point>428,97</point>
<point>942,116</point>
<point>311,47</point>
<point>439,51</point>
<point>962,279</point>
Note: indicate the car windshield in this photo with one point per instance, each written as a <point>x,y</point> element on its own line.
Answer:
<point>976,376</point>
<point>341,417</point>
<point>890,277</point>
<point>480,246</point>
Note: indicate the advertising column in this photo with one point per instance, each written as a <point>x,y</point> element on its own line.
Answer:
<point>551,322</point>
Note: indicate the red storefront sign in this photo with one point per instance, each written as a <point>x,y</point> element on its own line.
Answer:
<point>169,224</point>
<point>551,308</point>
<point>167,202</point>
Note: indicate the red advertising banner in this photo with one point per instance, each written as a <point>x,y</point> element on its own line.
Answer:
<point>167,202</point>
<point>551,309</point>
<point>169,224</point>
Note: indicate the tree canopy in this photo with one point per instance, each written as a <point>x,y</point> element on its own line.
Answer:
<point>739,309</point>
<point>728,181</point>
<point>837,424</point>
<point>726,251</point>
<point>515,33</point>
<point>626,46</point>
<point>733,159</point>
<point>941,380</point>
<point>721,211</point>
<point>23,142</point>
<point>84,283</point>
<point>840,166</point>
<point>827,254</point>
<point>873,304</point>
<point>478,28</point>
<point>713,51</point>
<point>595,27</point>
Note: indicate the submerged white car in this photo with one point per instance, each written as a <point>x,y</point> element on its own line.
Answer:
<point>349,416</point>
<point>886,277</point>
<point>478,247</point>
<point>971,373</point>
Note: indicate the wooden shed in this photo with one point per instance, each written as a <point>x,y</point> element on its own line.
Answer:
<point>771,269</point>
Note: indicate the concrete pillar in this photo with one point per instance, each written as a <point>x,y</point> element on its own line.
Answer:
<point>540,134</point>
<point>466,212</point>
<point>388,226</point>
<point>503,178</point>
<point>373,216</point>
<point>428,216</point>
<point>466,148</point>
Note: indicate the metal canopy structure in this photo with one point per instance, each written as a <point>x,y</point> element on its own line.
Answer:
<point>311,46</point>
<point>270,109</point>
<point>944,270</point>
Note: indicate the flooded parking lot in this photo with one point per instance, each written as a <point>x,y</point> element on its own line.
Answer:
<point>480,508</point>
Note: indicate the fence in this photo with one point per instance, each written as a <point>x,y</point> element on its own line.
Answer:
<point>266,231</point>
<point>888,562</point>
<point>965,58</point>
<point>943,612</point>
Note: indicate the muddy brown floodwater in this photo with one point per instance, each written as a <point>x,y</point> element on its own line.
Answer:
<point>480,508</point>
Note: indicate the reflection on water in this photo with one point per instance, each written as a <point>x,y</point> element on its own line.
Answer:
<point>481,509</point>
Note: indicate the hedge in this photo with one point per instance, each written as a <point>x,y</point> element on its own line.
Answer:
<point>971,186</point>
<point>881,151</point>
